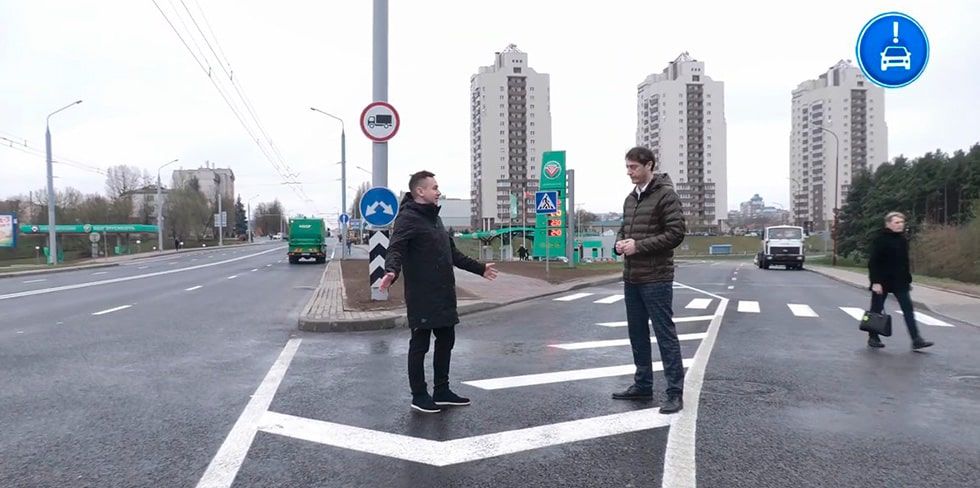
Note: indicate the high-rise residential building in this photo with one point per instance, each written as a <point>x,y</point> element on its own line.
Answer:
<point>681,118</point>
<point>510,128</point>
<point>208,179</point>
<point>839,106</point>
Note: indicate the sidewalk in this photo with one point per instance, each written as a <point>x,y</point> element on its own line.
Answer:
<point>326,313</point>
<point>953,304</point>
<point>111,261</point>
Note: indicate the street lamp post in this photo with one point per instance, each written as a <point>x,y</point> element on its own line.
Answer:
<point>160,207</point>
<point>343,177</point>
<point>836,190</point>
<point>52,235</point>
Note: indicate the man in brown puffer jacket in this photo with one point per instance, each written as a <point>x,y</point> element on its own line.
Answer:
<point>653,225</point>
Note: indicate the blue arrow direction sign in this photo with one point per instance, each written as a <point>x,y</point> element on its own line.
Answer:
<point>344,218</point>
<point>546,202</point>
<point>379,206</point>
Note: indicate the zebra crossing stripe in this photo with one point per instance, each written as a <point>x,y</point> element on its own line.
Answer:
<point>572,297</point>
<point>801,310</point>
<point>925,319</point>
<point>561,376</point>
<point>699,303</point>
<point>575,346</point>
<point>855,312</point>
<point>747,306</point>
<point>677,320</point>
<point>610,299</point>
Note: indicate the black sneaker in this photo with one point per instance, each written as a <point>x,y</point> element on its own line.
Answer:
<point>875,342</point>
<point>447,397</point>
<point>920,343</point>
<point>674,403</point>
<point>633,393</point>
<point>423,403</point>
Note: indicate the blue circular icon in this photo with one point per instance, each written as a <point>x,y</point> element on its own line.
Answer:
<point>379,206</point>
<point>892,50</point>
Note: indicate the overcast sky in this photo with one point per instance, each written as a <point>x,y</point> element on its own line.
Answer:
<point>147,101</point>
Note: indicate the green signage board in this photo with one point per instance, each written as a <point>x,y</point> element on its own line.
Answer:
<point>89,228</point>
<point>552,178</point>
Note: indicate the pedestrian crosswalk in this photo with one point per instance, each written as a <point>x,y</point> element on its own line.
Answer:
<point>800,310</point>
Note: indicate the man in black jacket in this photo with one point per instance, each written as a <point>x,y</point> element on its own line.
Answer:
<point>653,225</point>
<point>421,246</point>
<point>889,272</point>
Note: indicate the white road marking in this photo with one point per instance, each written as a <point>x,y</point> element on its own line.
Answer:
<point>173,263</point>
<point>254,270</point>
<point>193,288</point>
<point>143,267</point>
<point>747,306</point>
<point>126,278</point>
<point>232,277</point>
<point>560,376</point>
<point>680,470</point>
<point>457,451</point>
<point>854,312</point>
<point>100,273</point>
<point>925,319</point>
<point>268,265</point>
<point>575,346</point>
<point>800,310</point>
<point>699,303</point>
<point>677,320</point>
<point>116,309</point>
<point>35,281</point>
<point>610,299</point>
<point>574,296</point>
<point>224,467</point>
<point>734,279</point>
<point>731,287</point>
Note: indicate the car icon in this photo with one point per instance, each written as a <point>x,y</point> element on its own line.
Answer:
<point>896,56</point>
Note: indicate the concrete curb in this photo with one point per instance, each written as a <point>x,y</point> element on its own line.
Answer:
<point>399,319</point>
<point>33,272</point>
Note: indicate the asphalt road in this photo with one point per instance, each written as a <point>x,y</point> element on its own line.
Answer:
<point>140,396</point>
<point>211,386</point>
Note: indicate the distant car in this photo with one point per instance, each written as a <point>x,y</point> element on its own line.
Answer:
<point>896,56</point>
<point>277,236</point>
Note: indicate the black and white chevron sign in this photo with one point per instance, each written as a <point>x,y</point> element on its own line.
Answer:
<point>378,250</point>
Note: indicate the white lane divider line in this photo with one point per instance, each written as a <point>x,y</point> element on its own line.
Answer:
<point>855,312</point>
<point>143,267</point>
<point>925,319</point>
<point>232,277</point>
<point>254,270</point>
<point>224,467</point>
<point>193,288</point>
<point>699,303</point>
<point>35,281</point>
<point>561,376</point>
<point>268,266</point>
<point>126,278</point>
<point>610,299</point>
<point>677,320</point>
<point>748,306</point>
<point>100,273</point>
<point>731,287</point>
<point>800,310</point>
<point>116,309</point>
<point>574,296</point>
<point>575,346</point>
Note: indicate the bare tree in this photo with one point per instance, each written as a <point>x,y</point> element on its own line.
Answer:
<point>121,180</point>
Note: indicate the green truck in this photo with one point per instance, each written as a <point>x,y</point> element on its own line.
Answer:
<point>307,240</point>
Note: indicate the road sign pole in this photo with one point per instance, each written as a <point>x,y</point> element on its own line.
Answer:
<point>570,238</point>
<point>379,166</point>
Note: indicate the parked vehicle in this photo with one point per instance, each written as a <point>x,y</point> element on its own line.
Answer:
<point>307,240</point>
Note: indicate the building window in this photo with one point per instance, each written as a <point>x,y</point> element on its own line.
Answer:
<point>517,70</point>
<point>532,88</point>
<point>697,78</point>
<point>501,88</point>
<point>532,106</point>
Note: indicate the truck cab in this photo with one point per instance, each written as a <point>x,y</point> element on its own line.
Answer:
<point>782,245</point>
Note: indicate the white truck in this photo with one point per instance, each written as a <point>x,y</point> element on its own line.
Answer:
<point>782,245</point>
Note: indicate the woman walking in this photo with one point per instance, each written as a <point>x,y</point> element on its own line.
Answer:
<point>888,266</point>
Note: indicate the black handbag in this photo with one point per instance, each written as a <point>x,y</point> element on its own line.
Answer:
<point>879,323</point>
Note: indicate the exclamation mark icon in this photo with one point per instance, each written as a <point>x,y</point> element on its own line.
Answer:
<point>895,32</point>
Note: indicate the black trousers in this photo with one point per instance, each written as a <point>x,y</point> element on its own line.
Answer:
<point>905,302</point>
<point>418,346</point>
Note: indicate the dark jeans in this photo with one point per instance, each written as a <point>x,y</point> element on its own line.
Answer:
<point>904,301</point>
<point>652,302</point>
<point>418,346</point>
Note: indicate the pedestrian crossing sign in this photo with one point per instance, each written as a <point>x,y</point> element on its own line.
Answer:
<point>545,202</point>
